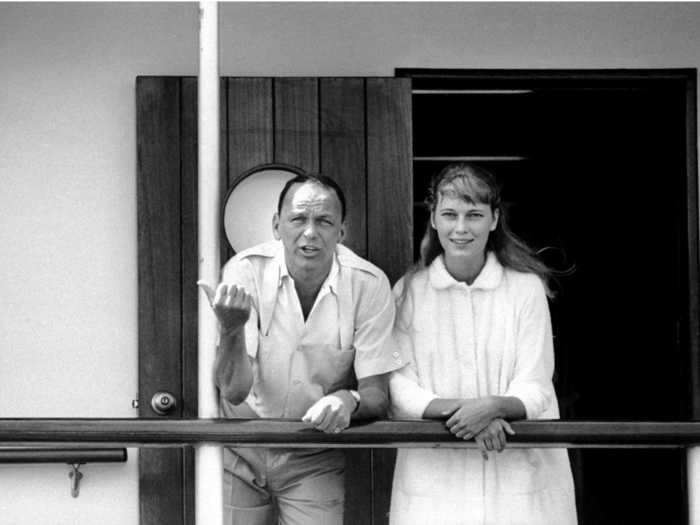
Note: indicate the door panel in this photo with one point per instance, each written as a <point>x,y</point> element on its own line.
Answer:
<point>389,174</point>
<point>358,131</point>
<point>189,268</point>
<point>296,122</point>
<point>342,128</point>
<point>160,290</point>
<point>390,246</point>
<point>250,125</point>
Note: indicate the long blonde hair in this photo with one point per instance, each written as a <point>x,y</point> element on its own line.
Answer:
<point>474,184</point>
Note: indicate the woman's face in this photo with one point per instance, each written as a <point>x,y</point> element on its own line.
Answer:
<point>462,227</point>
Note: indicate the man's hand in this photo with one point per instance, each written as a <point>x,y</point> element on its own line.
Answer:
<point>230,303</point>
<point>493,437</point>
<point>473,416</point>
<point>331,413</point>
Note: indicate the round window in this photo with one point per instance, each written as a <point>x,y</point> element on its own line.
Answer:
<point>251,203</point>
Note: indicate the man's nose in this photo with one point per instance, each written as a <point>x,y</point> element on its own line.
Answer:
<point>310,230</point>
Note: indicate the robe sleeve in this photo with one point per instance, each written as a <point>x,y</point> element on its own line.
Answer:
<point>531,381</point>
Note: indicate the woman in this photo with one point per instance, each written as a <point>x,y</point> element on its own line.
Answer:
<point>474,319</point>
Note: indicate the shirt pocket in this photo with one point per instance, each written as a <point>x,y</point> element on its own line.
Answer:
<point>328,367</point>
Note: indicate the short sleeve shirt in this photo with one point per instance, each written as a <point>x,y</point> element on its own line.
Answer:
<point>346,336</point>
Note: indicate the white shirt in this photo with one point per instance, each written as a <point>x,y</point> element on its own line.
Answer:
<point>491,338</point>
<point>346,335</point>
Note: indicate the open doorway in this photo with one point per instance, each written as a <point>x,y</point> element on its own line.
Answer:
<point>600,167</point>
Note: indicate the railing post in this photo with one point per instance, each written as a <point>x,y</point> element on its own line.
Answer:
<point>693,454</point>
<point>208,458</point>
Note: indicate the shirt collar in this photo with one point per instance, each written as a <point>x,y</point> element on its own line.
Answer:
<point>331,281</point>
<point>488,279</point>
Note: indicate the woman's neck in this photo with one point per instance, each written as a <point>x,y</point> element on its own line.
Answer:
<point>464,270</point>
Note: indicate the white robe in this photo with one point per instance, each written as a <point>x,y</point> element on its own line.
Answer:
<point>491,338</point>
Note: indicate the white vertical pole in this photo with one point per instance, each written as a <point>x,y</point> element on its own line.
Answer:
<point>208,458</point>
<point>693,485</point>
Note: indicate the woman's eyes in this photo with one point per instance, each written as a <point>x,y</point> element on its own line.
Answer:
<point>471,215</point>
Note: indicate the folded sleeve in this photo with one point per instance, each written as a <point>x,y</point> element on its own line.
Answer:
<point>375,351</point>
<point>534,360</point>
<point>408,398</point>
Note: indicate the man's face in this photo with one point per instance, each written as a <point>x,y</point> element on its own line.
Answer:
<point>309,225</point>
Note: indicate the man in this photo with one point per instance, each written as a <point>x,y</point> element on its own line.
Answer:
<point>300,320</point>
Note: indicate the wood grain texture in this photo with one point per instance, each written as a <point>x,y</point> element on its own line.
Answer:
<point>389,218</point>
<point>190,270</point>
<point>358,486</point>
<point>188,252</point>
<point>161,493</point>
<point>159,236</point>
<point>159,284</point>
<point>383,462</point>
<point>342,125</point>
<point>293,433</point>
<point>250,125</point>
<point>389,175</point>
<point>296,135</point>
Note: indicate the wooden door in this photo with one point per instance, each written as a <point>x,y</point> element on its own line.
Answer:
<point>356,130</point>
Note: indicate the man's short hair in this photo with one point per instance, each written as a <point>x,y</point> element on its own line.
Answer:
<point>314,178</point>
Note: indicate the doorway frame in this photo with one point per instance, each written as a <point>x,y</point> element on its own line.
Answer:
<point>680,78</point>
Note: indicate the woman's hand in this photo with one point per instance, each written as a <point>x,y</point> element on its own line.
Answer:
<point>473,416</point>
<point>493,437</point>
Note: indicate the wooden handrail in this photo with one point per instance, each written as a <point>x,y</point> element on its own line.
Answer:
<point>292,433</point>
<point>69,456</point>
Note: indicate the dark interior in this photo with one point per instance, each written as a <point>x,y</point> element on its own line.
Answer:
<point>593,170</point>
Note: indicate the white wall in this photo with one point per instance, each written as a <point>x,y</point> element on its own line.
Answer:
<point>68,299</point>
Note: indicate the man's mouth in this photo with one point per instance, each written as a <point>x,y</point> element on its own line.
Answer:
<point>309,250</point>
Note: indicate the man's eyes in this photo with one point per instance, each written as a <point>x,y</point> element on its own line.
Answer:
<point>302,220</point>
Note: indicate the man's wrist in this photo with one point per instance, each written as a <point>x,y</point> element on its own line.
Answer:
<point>356,397</point>
<point>351,398</point>
<point>230,332</point>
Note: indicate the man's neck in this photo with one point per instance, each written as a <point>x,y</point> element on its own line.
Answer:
<point>307,284</point>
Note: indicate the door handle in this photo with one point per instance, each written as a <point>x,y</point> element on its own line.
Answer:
<point>163,403</point>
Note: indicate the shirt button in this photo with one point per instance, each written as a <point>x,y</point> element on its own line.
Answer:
<point>296,382</point>
<point>396,355</point>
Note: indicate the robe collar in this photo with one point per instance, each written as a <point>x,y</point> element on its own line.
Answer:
<point>488,279</point>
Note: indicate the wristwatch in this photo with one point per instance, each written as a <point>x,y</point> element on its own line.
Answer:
<point>356,396</point>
